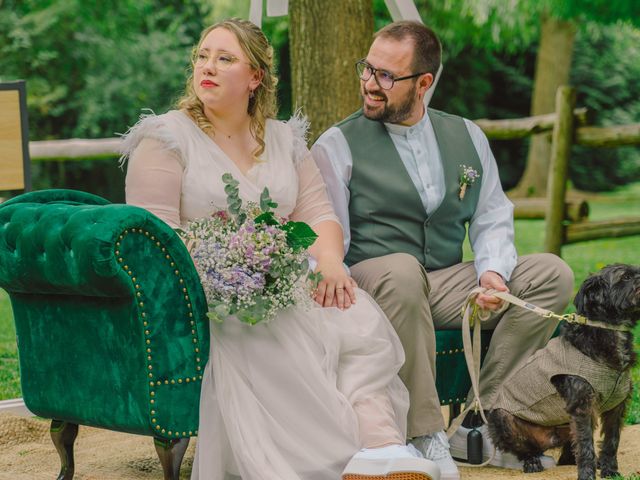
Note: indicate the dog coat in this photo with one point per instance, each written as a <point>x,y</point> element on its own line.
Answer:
<point>529,394</point>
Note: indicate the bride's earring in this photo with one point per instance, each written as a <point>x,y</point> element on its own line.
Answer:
<point>251,94</point>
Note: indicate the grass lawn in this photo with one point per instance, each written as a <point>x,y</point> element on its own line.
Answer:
<point>9,378</point>
<point>583,258</point>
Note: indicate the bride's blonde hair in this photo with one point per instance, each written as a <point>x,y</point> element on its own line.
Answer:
<point>262,105</point>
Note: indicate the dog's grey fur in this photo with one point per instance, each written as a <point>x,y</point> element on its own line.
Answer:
<point>612,296</point>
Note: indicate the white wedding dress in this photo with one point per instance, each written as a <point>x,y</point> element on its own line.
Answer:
<point>293,399</point>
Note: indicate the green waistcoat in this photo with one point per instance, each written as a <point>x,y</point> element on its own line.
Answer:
<point>385,210</point>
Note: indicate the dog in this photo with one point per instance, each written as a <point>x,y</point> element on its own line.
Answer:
<point>554,399</point>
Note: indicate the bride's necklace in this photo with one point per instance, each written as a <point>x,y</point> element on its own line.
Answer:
<point>228,136</point>
<point>216,130</point>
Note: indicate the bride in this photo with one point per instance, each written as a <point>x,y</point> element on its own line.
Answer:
<point>313,394</point>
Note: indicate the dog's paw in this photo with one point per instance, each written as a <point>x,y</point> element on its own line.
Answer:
<point>586,473</point>
<point>532,465</point>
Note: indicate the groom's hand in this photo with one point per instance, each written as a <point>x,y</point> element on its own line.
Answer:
<point>492,280</point>
<point>336,289</point>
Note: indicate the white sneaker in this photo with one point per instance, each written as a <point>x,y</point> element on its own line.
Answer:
<point>436,448</point>
<point>381,463</point>
<point>458,442</point>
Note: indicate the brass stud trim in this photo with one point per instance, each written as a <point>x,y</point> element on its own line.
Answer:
<point>194,333</point>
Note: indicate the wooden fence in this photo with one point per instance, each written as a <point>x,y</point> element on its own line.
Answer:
<point>569,125</point>
<point>565,219</point>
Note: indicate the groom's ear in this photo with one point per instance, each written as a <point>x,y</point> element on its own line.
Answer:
<point>424,82</point>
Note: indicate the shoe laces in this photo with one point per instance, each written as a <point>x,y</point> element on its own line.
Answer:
<point>438,447</point>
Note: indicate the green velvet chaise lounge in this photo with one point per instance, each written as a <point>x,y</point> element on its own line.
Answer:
<point>111,322</point>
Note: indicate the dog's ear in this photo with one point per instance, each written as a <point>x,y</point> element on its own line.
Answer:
<point>592,298</point>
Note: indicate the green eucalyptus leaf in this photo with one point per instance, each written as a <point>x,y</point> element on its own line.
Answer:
<point>265,200</point>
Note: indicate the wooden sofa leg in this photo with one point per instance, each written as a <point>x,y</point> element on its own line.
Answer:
<point>63,435</point>
<point>171,453</point>
<point>454,411</point>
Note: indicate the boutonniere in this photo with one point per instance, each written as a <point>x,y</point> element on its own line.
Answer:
<point>468,176</point>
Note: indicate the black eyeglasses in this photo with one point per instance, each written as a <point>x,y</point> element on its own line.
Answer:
<point>384,79</point>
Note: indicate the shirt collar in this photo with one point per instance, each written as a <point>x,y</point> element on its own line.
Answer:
<point>408,131</point>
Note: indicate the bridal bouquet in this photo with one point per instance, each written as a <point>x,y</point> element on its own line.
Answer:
<point>251,262</point>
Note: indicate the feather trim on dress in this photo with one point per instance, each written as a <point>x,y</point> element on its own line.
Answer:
<point>299,125</point>
<point>150,125</point>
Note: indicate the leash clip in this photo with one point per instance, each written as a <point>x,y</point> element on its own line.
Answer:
<point>566,317</point>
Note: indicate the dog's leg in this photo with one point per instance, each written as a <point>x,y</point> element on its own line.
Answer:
<point>526,440</point>
<point>611,427</point>
<point>567,456</point>
<point>579,398</point>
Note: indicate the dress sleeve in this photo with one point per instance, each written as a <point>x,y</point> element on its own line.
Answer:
<point>312,205</point>
<point>154,180</point>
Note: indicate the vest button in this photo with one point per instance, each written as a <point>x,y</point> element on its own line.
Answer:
<point>428,250</point>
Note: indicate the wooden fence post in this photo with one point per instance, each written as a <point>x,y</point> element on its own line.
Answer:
<point>561,141</point>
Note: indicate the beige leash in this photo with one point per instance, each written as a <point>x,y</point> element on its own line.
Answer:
<point>472,316</point>
<point>569,317</point>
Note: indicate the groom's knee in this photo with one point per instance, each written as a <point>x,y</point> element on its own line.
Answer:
<point>405,276</point>
<point>550,272</point>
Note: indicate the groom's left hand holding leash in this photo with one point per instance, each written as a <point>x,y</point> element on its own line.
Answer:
<point>492,280</point>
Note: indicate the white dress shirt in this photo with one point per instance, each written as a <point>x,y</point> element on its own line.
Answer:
<point>491,227</point>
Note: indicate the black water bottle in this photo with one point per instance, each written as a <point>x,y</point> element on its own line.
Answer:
<point>474,446</point>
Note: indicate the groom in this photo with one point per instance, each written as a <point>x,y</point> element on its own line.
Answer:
<point>405,182</point>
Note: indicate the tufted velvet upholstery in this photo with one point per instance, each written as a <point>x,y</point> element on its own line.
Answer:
<point>109,312</point>
<point>452,379</point>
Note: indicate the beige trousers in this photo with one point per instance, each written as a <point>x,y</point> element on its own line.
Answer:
<point>418,303</point>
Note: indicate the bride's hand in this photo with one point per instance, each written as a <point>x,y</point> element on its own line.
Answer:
<point>336,289</point>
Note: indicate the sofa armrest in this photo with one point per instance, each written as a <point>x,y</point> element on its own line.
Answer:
<point>109,311</point>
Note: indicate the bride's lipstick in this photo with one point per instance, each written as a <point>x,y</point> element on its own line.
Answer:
<point>208,84</point>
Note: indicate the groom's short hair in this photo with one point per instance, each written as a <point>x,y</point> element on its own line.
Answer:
<point>427,53</point>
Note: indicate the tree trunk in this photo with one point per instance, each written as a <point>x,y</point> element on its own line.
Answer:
<point>553,65</point>
<point>327,38</point>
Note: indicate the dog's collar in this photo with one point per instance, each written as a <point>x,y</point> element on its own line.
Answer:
<point>543,312</point>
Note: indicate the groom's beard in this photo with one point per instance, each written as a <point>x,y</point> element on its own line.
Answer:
<point>390,113</point>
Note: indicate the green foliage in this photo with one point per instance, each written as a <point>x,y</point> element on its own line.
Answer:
<point>234,202</point>
<point>299,235</point>
<point>91,66</point>
<point>100,176</point>
<point>9,373</point>
<point>603,12</point>
<point>606,73</point>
